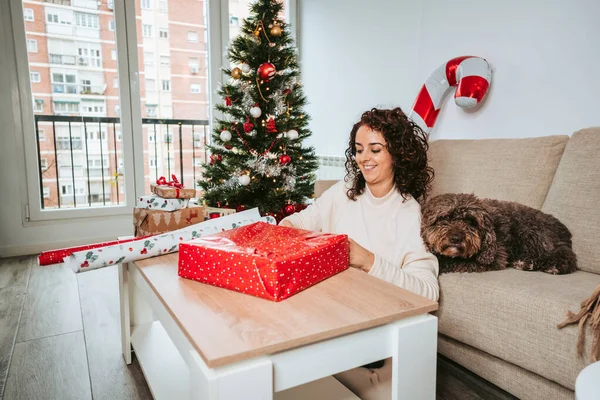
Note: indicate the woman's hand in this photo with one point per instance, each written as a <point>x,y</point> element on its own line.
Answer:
<point>286,223</point>
<point>360,257</point>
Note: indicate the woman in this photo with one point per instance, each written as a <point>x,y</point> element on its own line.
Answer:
<point>377,207</point>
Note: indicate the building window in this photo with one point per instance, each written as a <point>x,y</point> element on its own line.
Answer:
<point>148,58</point>
<point>151,111</point>
<point>165,60</point>
<point>119,139</point>
<point>147,30</point>
<point>151,85</point>
<point>60,107</point>
<point>86,20</point>
<point>28,14</point>
<point>234,21</point>
<point>147,4</point>
<point>193,37</point>
<point>163,34</point>
<point>52,18</point>
<point>162,6</point>
<point>44,163</point>
<point>113,54</point>
<point>111,25</point>
<point>111,4</point>
<point>86,86</point>
<point>66,190</point>
<point>194,64</point>
<point>152,162</point>
<point>46,192</point>
<point>35,77</point>
<point>91,108</point>
<point>32,45</point>
<point>89,56</point>
<point>116,83</point>
<point>195,88</point>
<point>38,105</point>
<point>41,134</point>
<point>118,109</point>
<point>63,83</point>
<point>166,85</point>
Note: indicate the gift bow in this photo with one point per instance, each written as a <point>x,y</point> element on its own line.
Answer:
<point>174,183</point>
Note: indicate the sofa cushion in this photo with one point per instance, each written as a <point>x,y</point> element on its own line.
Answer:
<point>506,169</point>
<point>574,197</point>
<point>513,315</point>
<point>323,185</point>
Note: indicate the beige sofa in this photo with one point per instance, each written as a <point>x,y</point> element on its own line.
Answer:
<point>502,325</point>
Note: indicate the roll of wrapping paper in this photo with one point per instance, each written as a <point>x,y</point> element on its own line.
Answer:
<point>57,256</point>
<point>159,244</point>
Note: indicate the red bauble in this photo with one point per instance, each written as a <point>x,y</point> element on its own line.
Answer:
<point>290,209</point>
<point>228,146</point>
<point>266,71</point>
<point>284,159</point>
<point>300,206</point>
<point>248,126</point>
<point>271,128</point>
<point>214,158</point>
<point>227,101</point>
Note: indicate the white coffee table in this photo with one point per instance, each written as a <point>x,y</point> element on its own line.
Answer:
<point>196,341</point>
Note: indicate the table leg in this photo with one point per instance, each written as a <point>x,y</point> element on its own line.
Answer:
<point>249,380</point>
<point>414,360</point>
<point>124,305</point>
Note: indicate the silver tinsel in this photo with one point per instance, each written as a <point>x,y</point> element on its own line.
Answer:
<point>261,166</point>
<point>289,184</point>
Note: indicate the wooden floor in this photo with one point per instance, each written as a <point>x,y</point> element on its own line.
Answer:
<point>60,339</point>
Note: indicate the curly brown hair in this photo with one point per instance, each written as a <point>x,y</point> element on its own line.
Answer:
<point>406,143</point>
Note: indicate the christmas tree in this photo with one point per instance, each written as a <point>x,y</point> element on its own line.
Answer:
<point>257,158</point>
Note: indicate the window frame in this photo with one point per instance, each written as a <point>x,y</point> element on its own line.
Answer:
<point>35,73</point>
<point>26,17</point>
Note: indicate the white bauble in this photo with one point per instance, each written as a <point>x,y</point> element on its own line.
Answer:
<point>252,133</point>
<point>292,134</point>
<point>225,136</point>
<point>244,180</point>
<point>245,68</point>
<point>255,112</point>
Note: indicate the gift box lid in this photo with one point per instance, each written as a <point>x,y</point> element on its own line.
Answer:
<point>270,242</point>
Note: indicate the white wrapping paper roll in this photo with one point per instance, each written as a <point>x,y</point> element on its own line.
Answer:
<point>159,244</point>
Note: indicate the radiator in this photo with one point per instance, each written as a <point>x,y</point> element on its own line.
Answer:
<point>331,167</point>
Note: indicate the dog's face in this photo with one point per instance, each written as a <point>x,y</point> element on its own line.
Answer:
<point>457,225</point>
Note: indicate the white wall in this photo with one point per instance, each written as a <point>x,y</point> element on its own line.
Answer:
<point>15,238</point>
<point>546,56</point>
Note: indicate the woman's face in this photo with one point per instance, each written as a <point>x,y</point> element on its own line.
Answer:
<point>372,157</point>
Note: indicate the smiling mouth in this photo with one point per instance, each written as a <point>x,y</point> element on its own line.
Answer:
<point>369,167</point>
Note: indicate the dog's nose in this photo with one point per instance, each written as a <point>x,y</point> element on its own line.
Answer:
<point>456,237</point>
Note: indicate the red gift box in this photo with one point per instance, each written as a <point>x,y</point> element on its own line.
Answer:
<point>263,260</point>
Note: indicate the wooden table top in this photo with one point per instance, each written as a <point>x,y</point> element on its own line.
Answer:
<point>225,326</point>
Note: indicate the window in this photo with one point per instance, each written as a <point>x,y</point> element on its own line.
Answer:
<point>162,5</point>
<point>46,192</point>
<point>194,64</point>
<point>86,20</point>
<point>113,54</point>
<point>111,25</point>
<point>168,137</point>
<point>32,45</point>
<point>147,4</point>
<point>234,21</point>
<point>28,14</point>
<point>61,107</point>
<point>90,55</point>
<point>151,111</point>
<point>63,83</point>
<point>193,37</point>
<point>44,163</point>
<point>163,34</point>
<point>118,109</point>
<point>195,88</point>
<point>116,83</point>
<point>151,85</point>
<point>111,4</point>
<point>119,138</point>
<point>165,60</point>
<point>41,134</point>
<point>38,105</point>
<point>166,85</point>
<point>93,108</point>
<point>148,58</point>
<point>34,76</point>
<point>152,162</point>
<point>52,18</point>
<point>66,190</point>
<point>147,30</point>
<point>86,86</point>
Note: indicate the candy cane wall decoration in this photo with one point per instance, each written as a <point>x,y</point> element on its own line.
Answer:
<point>472,76</point>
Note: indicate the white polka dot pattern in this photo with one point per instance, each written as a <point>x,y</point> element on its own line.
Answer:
<point>272,262</point>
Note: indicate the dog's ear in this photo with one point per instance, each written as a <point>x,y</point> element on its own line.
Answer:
<point>489,246</point>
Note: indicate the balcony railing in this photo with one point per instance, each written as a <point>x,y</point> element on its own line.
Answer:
<point>61,59</point>
<point>95,142</point>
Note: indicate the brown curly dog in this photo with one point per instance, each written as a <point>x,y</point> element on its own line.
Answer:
<point>469,234</point>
